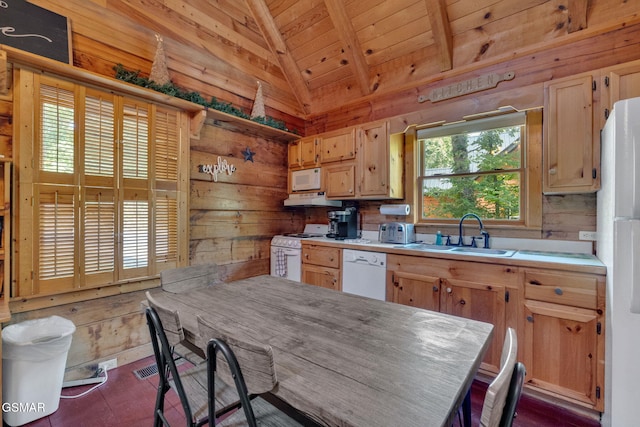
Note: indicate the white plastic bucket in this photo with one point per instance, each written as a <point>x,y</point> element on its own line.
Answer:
<point>34,355</point>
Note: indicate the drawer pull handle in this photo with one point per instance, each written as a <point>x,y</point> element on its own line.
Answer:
<point>530,319</point>
<point>435,289</point>
<point>558,291</point>
<point>534,282</point>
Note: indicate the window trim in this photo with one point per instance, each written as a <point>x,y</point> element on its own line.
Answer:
<point>531,178</point>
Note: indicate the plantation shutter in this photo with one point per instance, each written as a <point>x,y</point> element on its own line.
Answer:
<point>57,125</point>
<point>166,145</point>
<point>99,236</point>
<point>166,229</point>
<point>99,135</point>
<point>56,230</point>
<point>166,158</point>
<point>102,189</point>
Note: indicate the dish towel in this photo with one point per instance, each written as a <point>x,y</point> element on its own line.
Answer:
<point>281,263</point>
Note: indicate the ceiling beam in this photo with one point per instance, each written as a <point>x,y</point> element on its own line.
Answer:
<point>441,30</point>
<point>347,34</point>
<point>267,25</point>
<point>577,15</point>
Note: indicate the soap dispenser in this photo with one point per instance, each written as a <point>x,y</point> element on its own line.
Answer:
<point>438,238</point>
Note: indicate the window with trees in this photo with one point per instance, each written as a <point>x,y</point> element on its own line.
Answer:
<point>475,166</point>
<point>100,201</point>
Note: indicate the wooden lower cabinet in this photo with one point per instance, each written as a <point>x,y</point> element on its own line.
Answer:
<point>478,301</point>
<point>321,266</point>
<point>558,316</point>
<point>466,289</point>
<point>415,290</point>
<point>564,335</point>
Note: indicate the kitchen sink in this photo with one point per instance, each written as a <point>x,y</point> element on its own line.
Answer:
<point>424,247</point>
<point>484,251</point>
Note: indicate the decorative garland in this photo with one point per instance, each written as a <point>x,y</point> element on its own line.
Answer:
<point>170,89</point>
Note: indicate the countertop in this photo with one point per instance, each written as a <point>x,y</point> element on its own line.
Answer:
<point>567,261</point>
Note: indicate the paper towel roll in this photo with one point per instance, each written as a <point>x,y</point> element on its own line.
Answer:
<point>395,209</point>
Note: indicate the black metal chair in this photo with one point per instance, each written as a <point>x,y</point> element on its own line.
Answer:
<point>191,384</point>
<point>498,391</point>
<point>513,395</point>
<point>225,355</point>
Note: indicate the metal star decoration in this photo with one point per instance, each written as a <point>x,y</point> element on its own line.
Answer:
<point>248,154</point>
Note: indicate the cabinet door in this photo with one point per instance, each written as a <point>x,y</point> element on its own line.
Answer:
<point>321,255</point>
<point>562,347</point>
<point>294,155</point>
<point>373,159</point>
<point>620,82</point>
<point>340,180</point>
<point>308,154</point>
<point>415,290</point>
<point>570,152</point>
<point>337,146</point>
<point>481,302</point>
<point>324,277</point>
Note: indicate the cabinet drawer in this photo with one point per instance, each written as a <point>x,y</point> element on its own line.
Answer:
<point>321,255</point>
<point>561,288</point>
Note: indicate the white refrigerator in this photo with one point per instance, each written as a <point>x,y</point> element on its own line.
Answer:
<point>618,247</point>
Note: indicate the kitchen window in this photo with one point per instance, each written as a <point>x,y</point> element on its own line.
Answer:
<point>100,201</point>
<point>479,166</point>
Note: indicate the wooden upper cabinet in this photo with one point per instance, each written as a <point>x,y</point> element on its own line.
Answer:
<point>295,156</point>
<point>309,155</point>
<point>617,83</point>
<point>380,162</point>
<point>571,153</point>
<point>340,180</point>
<point>338,145</point>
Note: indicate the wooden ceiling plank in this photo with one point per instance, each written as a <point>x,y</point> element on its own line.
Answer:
<point>275,41</point>
<point>577,15</point>
<point>437,10</point>
<point>355,56</point>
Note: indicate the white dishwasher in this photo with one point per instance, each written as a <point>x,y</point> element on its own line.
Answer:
<point>364,273</point>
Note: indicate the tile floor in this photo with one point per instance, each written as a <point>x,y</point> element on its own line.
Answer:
<point>126,400</point>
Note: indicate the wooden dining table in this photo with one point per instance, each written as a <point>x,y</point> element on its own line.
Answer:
<point>342,359</point>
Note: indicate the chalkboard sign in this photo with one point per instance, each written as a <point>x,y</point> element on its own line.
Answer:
<point>28,27</point>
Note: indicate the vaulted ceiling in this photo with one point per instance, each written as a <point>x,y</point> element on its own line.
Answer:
<point>313,56</point>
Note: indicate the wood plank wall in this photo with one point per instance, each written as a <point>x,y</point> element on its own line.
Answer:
<point>234,219</point>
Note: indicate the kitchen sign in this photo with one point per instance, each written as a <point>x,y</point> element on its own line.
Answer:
<point>476,84</point>
<point>221,167</point>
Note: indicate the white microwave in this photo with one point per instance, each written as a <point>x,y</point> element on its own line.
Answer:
<point>306,179</point>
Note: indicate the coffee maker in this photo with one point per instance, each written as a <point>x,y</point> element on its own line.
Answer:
<point>343,224</point>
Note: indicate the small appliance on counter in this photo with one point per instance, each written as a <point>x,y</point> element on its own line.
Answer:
<point>397,232</point>
<point>343,224</point>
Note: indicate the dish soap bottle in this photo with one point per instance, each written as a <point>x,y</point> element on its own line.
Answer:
<point>438,238</point>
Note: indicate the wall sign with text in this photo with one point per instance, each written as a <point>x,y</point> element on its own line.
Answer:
<point>31,28</point>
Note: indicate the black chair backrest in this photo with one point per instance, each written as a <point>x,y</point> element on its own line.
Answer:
<point>513,395</point>
<point>226,353</point>
<point>170,320</point>
<point>215,347</point>
<point>163,352</point>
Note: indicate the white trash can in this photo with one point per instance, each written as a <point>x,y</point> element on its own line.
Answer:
<point>34,356</point>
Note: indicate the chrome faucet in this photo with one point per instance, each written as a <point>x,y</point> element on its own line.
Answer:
<point>483,232</point>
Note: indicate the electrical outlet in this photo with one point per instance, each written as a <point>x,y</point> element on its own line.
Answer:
<point>108,364</point>
<point>588,235</point>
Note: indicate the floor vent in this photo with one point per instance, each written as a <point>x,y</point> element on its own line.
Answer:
<point>150,370</point>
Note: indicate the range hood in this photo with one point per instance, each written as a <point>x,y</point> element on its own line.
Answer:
<point>310,199</point>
